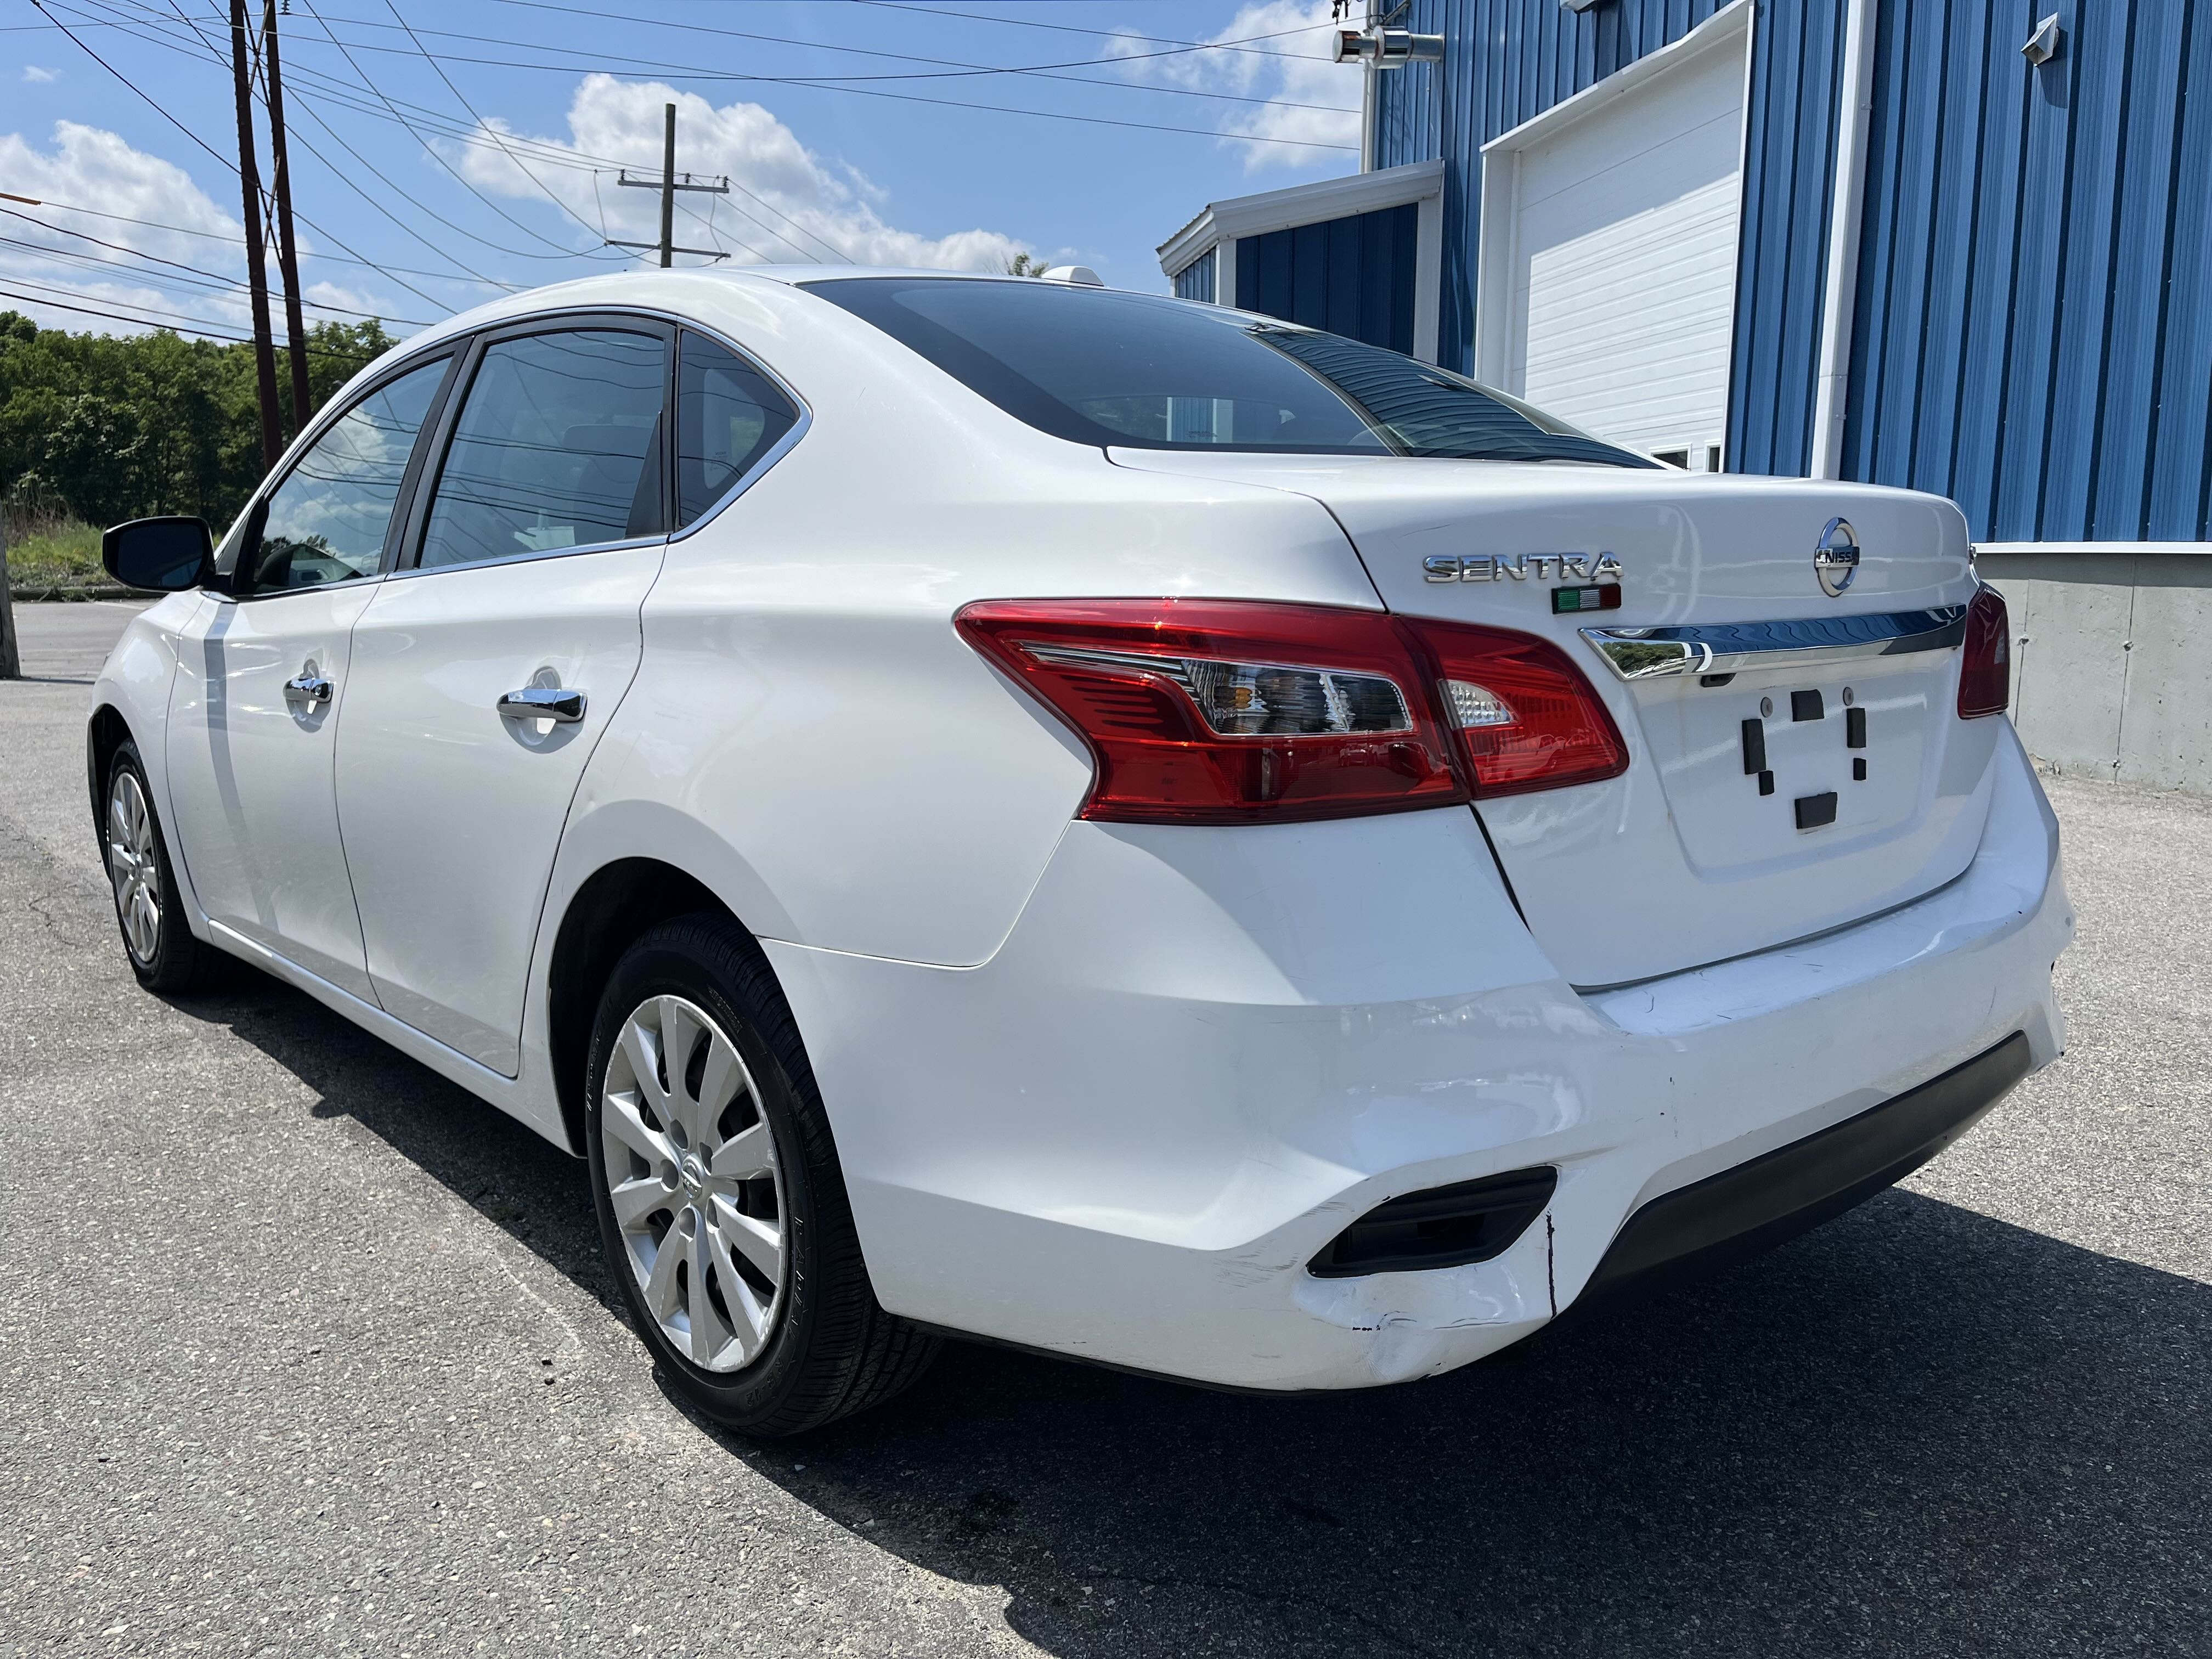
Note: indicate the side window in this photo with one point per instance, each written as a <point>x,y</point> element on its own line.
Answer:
<point>326,521</point>
<point>728,415</point>
<point>557,445</point>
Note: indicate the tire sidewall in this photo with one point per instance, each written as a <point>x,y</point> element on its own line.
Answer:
<point>661,966</point>
<point>126,759</point>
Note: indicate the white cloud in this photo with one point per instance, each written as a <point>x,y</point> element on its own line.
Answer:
<point>86,168</point>
<point>1312,100</point>
<point>38,77</point>
<point>806,207</point>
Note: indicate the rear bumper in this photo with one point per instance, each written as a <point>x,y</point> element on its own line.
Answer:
<point>1756,1205</point>
<point>1202,1054</point>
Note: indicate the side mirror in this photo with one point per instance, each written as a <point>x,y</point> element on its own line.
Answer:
<point>167,554</point>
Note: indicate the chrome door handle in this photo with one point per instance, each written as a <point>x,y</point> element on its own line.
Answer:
<point>543,702</point>
<point>309,688</point>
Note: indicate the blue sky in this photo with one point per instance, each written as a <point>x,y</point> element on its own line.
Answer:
<point>498,127</point>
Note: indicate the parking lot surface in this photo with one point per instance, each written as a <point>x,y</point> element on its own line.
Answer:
<point>304,1351</point>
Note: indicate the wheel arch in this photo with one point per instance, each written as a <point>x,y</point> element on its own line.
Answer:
<point>610,910</point>
<point>105,732</point>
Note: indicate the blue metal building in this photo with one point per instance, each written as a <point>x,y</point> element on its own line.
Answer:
<point>2009,266</point>
<point>1964,246</point>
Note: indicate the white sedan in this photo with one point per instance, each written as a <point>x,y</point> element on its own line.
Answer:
<point>1117,826</point>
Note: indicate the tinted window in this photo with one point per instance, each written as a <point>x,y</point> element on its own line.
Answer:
<point>557,445</point>
<point>1099,366</point>
<point>327,520</point>
<point>728,415</point>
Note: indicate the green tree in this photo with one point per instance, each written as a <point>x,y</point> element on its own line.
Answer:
<point>115,427</point>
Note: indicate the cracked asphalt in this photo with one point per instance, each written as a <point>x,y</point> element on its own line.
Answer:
<point>303,1350</point>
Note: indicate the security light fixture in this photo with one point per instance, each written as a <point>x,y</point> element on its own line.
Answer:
<point>1388,48</point>
<point>2043,45</point>
<point>1580,5</point>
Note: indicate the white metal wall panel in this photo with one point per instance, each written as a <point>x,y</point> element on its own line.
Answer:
<point>1622,264</point>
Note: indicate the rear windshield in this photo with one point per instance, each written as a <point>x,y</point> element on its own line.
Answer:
<point>1096,366</point>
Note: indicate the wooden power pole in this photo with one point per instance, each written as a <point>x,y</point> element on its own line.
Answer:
<point>668,185</point>
<point>288,262</point>
<point>249,181</point>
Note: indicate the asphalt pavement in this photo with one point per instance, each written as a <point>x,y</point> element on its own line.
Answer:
<point>304,1351</point>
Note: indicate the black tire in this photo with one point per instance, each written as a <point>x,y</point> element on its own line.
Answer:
<point>170,960</point>
<point>832,1349</point>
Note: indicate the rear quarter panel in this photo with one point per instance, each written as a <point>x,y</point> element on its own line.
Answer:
<point>809,735</point>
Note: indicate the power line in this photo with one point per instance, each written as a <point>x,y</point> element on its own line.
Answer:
<point>229,164</point>
<point>378,92</point>
<point>215,331</point>
<point>194,275</point>
<point>231,241</point>
<point>680,72</point>
<point>339,139</point>
<point>1240,47</point>
<point>391,6</point>
<point>946,68</point>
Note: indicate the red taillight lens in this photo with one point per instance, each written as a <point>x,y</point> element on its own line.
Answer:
<point>1985,675</point>
<point>1526,716</point>
<point>1220,711</point>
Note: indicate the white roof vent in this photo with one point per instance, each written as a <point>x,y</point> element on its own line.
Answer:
<point>1081,276</point>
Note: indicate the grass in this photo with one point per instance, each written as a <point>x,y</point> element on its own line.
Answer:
<point>52,552</point>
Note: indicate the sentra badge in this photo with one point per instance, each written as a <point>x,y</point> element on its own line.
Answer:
<point>1494,567</point>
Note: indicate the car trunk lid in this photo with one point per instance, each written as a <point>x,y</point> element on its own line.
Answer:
<point>1796,761</point>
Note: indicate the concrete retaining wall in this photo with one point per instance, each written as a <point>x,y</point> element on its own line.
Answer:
<point>2112,656</point>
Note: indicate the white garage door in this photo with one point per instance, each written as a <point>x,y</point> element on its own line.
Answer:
<point>1620,271</point>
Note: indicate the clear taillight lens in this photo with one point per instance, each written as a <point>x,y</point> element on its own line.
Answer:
<point>1222,711</point>
<point>1985,675</point>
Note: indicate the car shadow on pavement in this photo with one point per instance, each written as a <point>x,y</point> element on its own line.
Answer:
<point>1915,1431</point>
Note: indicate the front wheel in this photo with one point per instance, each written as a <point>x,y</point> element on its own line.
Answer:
<point>721,1206</point>
<point>159,941</point>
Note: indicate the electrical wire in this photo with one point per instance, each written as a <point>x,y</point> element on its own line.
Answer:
<point>231,242</point>
<point>378,92</point>
<point>194,274</point>
<point>231,166</point>
<point>200,325</point>
<point>1238,46</point>
<point>947,68</point>
<point>680,72</point>
<point>483,125</point>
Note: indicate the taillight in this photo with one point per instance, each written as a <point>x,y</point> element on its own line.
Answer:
<point>1526,716</point>
<point>1985,675</point>
<point>1217,711</point>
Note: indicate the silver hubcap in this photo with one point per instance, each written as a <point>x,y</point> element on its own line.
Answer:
<point>691,1169</point>
<point>132,866</point>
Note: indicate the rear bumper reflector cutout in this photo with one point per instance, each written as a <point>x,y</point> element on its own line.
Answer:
<point>1442,1227</point>
<point>1741,1212</point>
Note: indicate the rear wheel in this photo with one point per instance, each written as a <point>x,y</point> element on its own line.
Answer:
<point>721,1206</point>
<point>163,952</point>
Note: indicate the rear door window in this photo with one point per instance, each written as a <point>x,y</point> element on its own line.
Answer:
<point>728,416</point>
<point>557,445</point>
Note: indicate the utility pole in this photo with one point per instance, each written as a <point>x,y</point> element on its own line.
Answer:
<point>249,181</point>
<point>668,186</point>
<point>288,261</point>
<point>11,661</point>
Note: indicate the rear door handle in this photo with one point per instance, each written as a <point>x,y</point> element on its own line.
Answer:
<point>543,702</point>
<point>307,687</point>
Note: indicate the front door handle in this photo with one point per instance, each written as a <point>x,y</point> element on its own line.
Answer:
<point>308,687</point>
<point>543,702</point>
